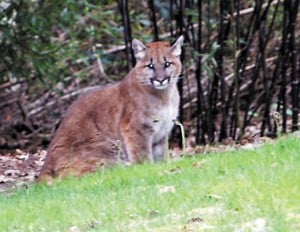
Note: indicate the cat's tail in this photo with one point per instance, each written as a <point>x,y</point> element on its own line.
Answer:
<point>45,178</point>
<point>46,174</point>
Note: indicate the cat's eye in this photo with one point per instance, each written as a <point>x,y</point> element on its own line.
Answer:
<point>150,66</point>
<point>167,64</point>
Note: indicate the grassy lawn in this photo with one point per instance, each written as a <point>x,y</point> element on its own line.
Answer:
<point>243,190</point>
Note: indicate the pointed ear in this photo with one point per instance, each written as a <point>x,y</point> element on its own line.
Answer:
<point>176,48</point>
<point>139,49</point>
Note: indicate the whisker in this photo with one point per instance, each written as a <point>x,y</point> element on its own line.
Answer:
<point>145,83</point>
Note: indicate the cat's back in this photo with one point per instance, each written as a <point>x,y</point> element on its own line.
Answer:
<point>99,98</point>
<point>96,96</point>
<point>95,111</point>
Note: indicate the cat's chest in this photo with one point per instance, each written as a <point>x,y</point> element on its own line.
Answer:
<point>163,121</point>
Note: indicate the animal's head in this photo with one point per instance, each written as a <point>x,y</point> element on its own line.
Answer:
<point>158,62</point>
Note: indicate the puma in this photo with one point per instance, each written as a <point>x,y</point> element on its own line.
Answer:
<point>124,122</point>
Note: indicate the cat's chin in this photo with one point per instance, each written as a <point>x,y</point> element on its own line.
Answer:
<point>160,87</point>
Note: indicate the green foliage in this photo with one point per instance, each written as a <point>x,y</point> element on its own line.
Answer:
<point>225,192</point>
<point>47,39</point>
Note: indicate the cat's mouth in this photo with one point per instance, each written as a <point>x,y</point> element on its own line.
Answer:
<point>160,83</point>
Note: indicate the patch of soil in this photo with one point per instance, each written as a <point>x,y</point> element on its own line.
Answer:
<point>20,168</point>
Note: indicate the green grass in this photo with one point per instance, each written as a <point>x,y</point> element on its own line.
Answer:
<point>229,191</point>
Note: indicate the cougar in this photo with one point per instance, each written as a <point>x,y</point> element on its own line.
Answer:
<point>124,122</point>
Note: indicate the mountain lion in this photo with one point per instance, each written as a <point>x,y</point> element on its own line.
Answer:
<point>124,122</point>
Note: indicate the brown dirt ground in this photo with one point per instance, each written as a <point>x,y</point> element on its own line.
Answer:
<point>19,168</point>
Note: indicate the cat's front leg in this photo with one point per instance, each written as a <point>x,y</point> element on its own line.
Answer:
<point>138,146</point>
<point>160,149</point>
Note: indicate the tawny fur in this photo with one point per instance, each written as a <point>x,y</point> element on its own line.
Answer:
<point>128,121</point>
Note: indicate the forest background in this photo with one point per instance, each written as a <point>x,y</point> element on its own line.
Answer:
<point>241,63</point>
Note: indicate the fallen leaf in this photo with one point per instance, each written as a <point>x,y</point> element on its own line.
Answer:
<point>130,214</point>
<point>167,189</point>
<point>195,220</point>
<point>257,225</point>
<point>173,171</point>
<point>153,213</point>
<point>214,196</point>
<point>74,229</point>
<point>198,164</point>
